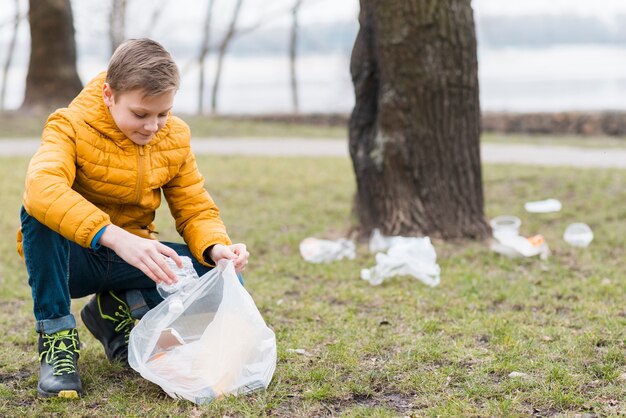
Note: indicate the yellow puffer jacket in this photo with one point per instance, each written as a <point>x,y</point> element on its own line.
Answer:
<point>86,174</point>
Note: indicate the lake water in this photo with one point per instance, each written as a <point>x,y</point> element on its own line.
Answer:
<point>587,77</point>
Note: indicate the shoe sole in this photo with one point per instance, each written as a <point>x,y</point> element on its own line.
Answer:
<point>65,394</point>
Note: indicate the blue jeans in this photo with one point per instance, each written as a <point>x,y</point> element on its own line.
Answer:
<point>59,269</point>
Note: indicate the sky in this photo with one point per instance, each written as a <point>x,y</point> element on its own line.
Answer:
<point>605,9</point>
<point>178,16</point>
<point>91,15</point>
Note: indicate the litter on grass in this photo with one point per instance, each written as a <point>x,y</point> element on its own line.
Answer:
<point>578,235</point>
<point>316,250</point>
<point>508,242</point>
<point>543,206</point>
<point>506,223</point>
<point>405,256</point>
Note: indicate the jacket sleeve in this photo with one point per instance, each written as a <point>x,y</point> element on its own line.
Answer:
<point>197,217</point>
<point>49,196</point>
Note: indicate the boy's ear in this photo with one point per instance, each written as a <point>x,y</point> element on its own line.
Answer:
<point>107,95</point>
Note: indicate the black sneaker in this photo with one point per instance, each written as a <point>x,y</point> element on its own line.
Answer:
<point>58,373</point>
<point>108,318</point>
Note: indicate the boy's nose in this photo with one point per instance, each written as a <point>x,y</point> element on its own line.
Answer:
<point>151,125</point>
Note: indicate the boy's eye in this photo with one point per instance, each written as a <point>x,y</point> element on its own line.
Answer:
<point>139,116</point>
<point>163,115</point>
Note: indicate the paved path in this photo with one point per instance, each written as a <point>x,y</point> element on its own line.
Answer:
<point>296,147</point>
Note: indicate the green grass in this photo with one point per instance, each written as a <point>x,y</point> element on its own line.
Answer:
<point>399,349</point>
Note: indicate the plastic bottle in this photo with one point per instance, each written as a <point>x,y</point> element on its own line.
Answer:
<point>175,292</point>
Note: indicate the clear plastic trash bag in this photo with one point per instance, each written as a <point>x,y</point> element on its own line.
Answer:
<point>218,344</point>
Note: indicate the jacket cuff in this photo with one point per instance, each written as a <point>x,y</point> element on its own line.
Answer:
<point>206,256</point>
<point>95,245</point>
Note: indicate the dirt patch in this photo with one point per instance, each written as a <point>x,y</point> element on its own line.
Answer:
<point>401,403</point>
<point>10,379</point>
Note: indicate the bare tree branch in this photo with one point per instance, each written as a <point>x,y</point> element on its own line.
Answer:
<point>156,16</point>
<point>230,33</point>
<point>204,50</point>
<point>241,31</point>
<point>11,21</point>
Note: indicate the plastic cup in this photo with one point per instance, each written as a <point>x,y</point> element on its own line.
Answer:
<point>506,223</point>
<point>578,235</point>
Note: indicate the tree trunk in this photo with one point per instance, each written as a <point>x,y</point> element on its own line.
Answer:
<point>293,56</point>
<point>415,127</point>
<point>117,24</point>
<point>52,79</point>
<point>9,57</point>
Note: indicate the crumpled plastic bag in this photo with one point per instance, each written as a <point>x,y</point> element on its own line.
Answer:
<point>379,242</point>
<point>219,344</point>
<point>316,250</point>
<point>410,256</point>
<point>513,245</point>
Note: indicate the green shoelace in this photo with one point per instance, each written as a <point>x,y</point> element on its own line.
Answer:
<point>126,323</point>
<point>61,347</point>
<point>123,319</point>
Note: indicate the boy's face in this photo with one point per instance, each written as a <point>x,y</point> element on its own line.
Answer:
<point>138,117</point>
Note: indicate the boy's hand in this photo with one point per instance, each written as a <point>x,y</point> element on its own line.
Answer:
<point>235,252</point>
<point>145,254</point>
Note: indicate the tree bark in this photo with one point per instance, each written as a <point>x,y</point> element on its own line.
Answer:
<point>415,128</point>
<point>52,79</point>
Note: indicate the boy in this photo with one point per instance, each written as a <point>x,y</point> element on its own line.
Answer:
<point>91,193</point>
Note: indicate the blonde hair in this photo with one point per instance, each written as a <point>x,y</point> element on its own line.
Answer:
<point>142,64</point>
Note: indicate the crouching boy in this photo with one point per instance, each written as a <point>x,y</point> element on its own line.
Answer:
<point>92,190</point>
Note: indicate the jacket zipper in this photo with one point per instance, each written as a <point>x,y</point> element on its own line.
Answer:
<point>140,155</point>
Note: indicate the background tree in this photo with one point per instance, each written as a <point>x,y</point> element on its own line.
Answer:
<point>9,58</point>
<point>117,23</point>
<point>414,131</point>
<point>157,13</point>
<point>293,51</point>
<point>204,51</point>
<point>221,53</point>
<point>52,79</point>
